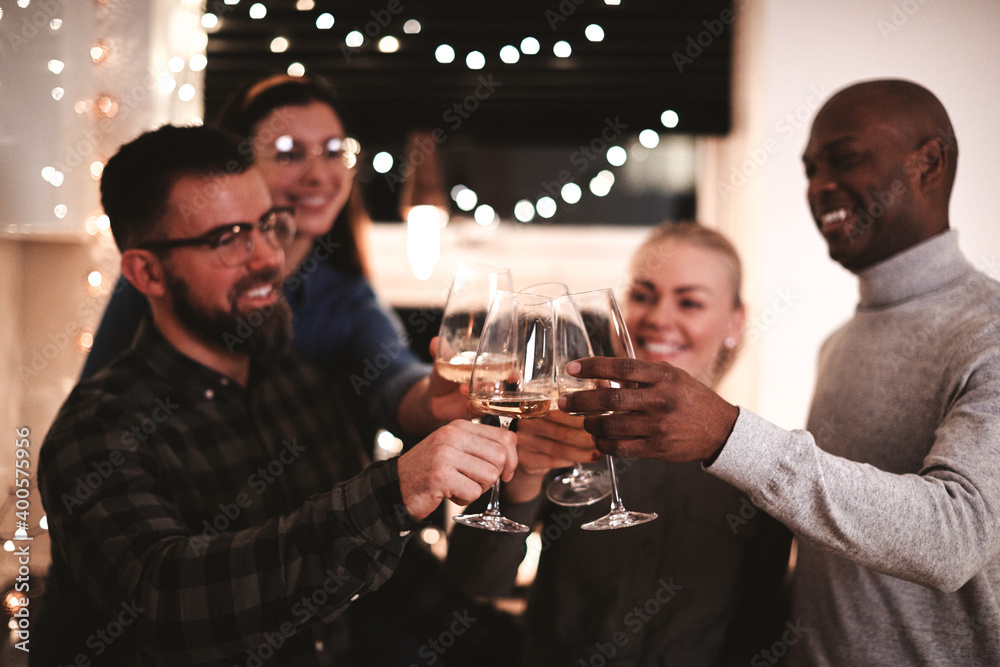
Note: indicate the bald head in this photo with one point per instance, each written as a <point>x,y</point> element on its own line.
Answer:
<point>912,112</point>
<point>881,164</point>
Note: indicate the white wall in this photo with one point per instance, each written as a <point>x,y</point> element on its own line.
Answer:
<point>583,258</point>
<point>792,54</point>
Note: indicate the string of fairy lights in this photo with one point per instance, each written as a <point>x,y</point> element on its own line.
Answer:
<point>173,77</point>
<point>465,198</point>
<point>176,77</point>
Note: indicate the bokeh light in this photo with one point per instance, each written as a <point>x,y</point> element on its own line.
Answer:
<point>530,46</point>
<point>546,207</point>
<point>562,49</point>
<point>600,185</point>
<point>475,60</point>
<point>571,193</point>
<point>594,33</point>
<point>669,118</point>
<point>509,54</point>
<point>649,138</point>
<point>444,54</point>
<point>466,199</point>
<point>617,156</point>
<point>388,44</point>
<point>524,211</point>
<point>485,215</point>
<point>382,162</point>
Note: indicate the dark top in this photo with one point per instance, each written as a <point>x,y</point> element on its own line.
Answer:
<point>209,522</point>
<point>697,586</point>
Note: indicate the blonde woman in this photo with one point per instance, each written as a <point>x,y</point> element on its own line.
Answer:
<point>690,588</point>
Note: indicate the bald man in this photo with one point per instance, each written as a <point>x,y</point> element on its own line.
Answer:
<point>894,489</point>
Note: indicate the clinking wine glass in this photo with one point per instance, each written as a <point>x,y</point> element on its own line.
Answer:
<point>472,290</point>
<point>513,376</point>
<point>581,485</point>
<point>606,333</point>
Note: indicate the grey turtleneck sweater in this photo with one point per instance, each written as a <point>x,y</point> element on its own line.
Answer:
<point>894,490</point>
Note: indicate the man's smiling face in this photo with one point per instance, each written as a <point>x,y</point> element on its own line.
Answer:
<point>859,166</point>
<point>209,298</point>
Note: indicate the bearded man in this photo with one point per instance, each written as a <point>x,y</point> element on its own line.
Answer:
<point>208,499</point>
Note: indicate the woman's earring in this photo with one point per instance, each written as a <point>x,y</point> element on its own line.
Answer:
<point>730,343</point>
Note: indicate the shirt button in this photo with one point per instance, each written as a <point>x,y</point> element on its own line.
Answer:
<point>224,382</point>
<point>319,646</point>
<point>209,394</point>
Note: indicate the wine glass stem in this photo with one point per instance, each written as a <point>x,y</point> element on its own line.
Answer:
<point>616,500</point>
<point>493,507</point>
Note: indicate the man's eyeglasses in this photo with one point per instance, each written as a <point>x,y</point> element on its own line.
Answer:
<point>235,242</point>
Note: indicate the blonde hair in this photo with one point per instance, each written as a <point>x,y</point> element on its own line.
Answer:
<point>696,234</point>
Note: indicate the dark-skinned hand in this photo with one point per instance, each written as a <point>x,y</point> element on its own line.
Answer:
<point>661,412</point>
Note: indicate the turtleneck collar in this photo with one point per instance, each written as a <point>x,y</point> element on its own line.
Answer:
<point>923,268</point>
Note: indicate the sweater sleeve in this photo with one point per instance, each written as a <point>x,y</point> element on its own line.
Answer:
<point>937,527</point>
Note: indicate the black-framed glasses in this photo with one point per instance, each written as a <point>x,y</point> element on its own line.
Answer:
<point>235,242</point>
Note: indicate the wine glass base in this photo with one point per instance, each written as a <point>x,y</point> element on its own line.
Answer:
<point>619,519</point>
<point>495,522</point>
<point>580,487</point>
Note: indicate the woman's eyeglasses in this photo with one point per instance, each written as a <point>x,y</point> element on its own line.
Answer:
<point>291,153</point>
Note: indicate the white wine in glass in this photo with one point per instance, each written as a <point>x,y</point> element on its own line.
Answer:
<point>580,485</point>
<point>608,337</point>
<point>513,377</point>
<point>472,290</point>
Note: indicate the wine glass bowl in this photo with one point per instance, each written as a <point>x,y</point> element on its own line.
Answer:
<point>580,485</point>
<point>513,376</point>
<point>607,336</point>
<point>469,297</point>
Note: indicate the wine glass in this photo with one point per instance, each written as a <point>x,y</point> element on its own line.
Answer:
<point>472,290</point>
<point>581,485</point>
<point>513,376</point>
<point>602,319</point>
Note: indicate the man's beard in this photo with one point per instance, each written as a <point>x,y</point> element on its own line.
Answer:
<point>263,331</point>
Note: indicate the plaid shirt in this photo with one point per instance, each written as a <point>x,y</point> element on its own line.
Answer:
<point>194,521</point>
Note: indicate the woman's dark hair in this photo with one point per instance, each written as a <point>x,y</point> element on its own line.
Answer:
<point>248,106</point>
